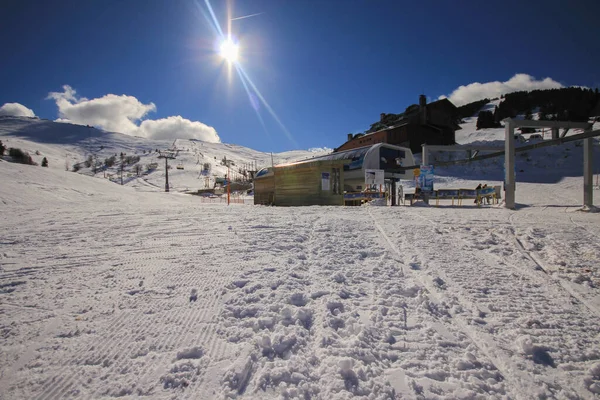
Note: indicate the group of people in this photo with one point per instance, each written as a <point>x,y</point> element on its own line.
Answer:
<point>487,198</point>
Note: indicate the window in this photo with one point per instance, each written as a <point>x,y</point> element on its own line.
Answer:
<point>390,158</point>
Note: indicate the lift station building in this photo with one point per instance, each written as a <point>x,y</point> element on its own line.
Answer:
<point>323,180</point>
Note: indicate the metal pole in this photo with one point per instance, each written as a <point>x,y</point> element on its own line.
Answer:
<point>166,174</point>
<point>588,177</point>
<point>509,164</point>
<point>424,154</point>
<point>228,186</point>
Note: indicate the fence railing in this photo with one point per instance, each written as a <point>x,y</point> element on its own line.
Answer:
<point>223,200</point>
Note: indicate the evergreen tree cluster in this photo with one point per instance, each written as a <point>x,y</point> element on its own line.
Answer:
<point>566,104</point>
<point>110,161</point>
<point>385,121</point>
<point>20,156</point>
<point>468,110</point>
<point>486,119</point>
<point>128,160</point>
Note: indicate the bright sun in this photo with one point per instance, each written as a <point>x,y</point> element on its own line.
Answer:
<point>229,50</point>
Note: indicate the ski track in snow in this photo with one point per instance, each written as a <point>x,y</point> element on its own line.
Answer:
<point>129,335</point>
<point>110,291</point>
<point>544,311</point>
<point>315,302</point>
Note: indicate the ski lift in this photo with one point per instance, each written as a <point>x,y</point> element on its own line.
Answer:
<point>180,166</point>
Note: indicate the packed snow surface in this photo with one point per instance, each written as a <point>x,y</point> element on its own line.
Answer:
<point>126,291</point>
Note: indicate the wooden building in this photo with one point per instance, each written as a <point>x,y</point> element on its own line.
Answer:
<point>434,123</point>
<point>323,180</point>
<point>304,183</point>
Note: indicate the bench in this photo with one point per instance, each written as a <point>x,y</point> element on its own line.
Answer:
<point>358,198</point>
<point>492,193</point>
<point>459,195</point>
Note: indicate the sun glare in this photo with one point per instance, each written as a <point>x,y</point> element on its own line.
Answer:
<point>229,50</point>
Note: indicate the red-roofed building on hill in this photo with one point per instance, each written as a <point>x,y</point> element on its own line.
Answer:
<point>434,123</point>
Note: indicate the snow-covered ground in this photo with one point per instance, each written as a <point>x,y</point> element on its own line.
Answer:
<point>127,291</point>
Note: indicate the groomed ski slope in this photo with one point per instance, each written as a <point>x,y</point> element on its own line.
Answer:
<point>126,291</point>
<point>316,302</point>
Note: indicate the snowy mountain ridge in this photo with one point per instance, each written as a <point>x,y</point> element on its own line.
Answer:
<point>65,145</point>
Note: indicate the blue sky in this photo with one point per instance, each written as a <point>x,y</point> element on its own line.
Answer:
<point>325,67</point>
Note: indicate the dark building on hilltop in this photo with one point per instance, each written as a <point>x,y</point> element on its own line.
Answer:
<point>434,123</point>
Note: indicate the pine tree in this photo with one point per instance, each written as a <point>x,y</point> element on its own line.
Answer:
<point>485,119</point>
<point>543,113</point>
<point>2,148</point>
<point>45,162</point>
<point>480,119</point>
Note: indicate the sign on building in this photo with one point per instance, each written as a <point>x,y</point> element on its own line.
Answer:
<point>426,177</point>
<point>374,177</point>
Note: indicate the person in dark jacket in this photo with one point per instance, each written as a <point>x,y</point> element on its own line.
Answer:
<point>477,189</point>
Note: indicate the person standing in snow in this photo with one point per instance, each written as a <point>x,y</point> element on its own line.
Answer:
<point>487,198</point>
<point>477,194</point>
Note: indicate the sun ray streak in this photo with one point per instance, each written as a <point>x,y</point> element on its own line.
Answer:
<point>208,18</point>
<point>260,118</point>
<point>215,21</point>
<point>266,104</point>
<point>244,76</point>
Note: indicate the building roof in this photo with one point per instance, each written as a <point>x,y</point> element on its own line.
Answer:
<point>360,135</point>
<point>408,116</point>
<point>443,103</point>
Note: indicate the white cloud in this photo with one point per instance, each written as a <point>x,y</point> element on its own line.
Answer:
<point>123,114</point>
<point>478,91</point>
<point>16,110</point>
<point>109,112</point>
<point>177,126</point>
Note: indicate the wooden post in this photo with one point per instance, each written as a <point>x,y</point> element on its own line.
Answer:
<point>228,186</point>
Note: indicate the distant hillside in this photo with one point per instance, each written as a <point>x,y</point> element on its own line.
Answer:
<point>566,104</point>
<point>93,152</point>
